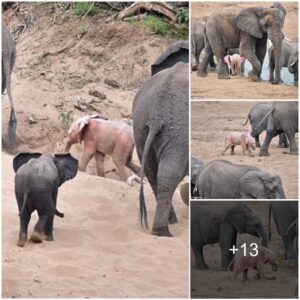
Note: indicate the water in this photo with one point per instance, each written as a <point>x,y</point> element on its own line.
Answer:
<point>286,76</point>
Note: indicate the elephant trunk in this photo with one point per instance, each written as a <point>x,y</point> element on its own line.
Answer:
<point>277,37</point>
<point>262,233</point>
<point>280,194</point>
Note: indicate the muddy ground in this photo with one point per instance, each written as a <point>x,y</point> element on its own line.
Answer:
<point>237,87</point>
<point>100,249</point>
<point>214,283</point>
<point>211,122</point>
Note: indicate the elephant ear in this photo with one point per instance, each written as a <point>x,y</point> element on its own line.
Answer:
<point>252,186</point>
<point>67,167</point>
<point>247,21</point>
<point>23,158</point>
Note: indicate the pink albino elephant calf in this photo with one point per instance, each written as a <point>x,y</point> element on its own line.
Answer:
<point>235,63</point>
<point>242,263</point>
<point>103,137</point>
<point>239,138</point>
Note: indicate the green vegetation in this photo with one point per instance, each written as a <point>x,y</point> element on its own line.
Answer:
<point>83,8</point>
<point>66,117</point>
<point>156,25</point>
<point>182,16</point>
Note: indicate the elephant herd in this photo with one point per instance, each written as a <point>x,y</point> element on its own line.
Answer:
<point>160,133</point>
<point>244,31</point>
<point>214,223</point>
<point>221,179</point>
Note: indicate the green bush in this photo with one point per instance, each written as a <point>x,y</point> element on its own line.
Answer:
<point>182,16</point>
<point>81,8</point>
<point>156,25</point>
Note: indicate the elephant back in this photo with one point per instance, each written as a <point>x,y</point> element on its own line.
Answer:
<point>177,52</point>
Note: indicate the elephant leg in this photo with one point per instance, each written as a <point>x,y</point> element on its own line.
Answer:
<point>247,49</point>
<point>245,276</point>
<point>199,258</point>
<point>132,166</point>
<point>120,162</point>
<point>49,228</point>
<point>24,221</point>
<point>12,125</point>
<point>212,63</point>
<point>282,142</point>
<point>232,150</point>
<point>99,158</point>
<point>226,243</point>
<point>172,216</point>
<point>39,228</point>
<point>227,146</point>
<point>167,181</point>
<point>202,67</point>
<point>260,51</point>
<point>87,155</point>
<point>271,67</point>
<point>292,141</point>
<point>271,132</point>
<point>257,143</point>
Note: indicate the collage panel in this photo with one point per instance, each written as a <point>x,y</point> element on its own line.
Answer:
<point>254,44</point>
<point>95,150</point>
<point>244,249</point>
<point>244,150</point>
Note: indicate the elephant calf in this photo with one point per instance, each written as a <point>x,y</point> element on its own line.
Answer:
<point>239,138</point>
<point>103,137</point>
<point>242,263</point>
<point>235,64</point>
<point>37,180</point>
<point>221,179</point>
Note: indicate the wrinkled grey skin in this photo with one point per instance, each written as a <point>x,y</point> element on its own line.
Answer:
<point>288,59</point>
<point>37,180</point>
<point>198,42</point>
<point>282,118</point>
<point>293,65</point>
<point>8,61</point>
<point>284,214</point>
<point>196,167</point>
<point>178,51</point>
<point>160,124</point>
<point>255,115</point>
<point>247,29</point>
<point>221,179</point>
<point>212,224</point>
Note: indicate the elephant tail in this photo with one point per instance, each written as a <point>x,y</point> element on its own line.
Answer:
<point>153,131</point>
<point>246,121</point>
<point>269,222</point>
<point>25,197</point>
<point>58,213</point>
<point>263,119</point>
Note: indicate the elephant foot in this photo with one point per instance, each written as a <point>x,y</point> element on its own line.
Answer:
<point>173,219</point>
<point>282,146</point>
<point>49,238</point>
<point>264,153</point>
<point>224,76</point>
<point>201,73</point>
<point>294,152</point>
<point>36,237</point>
<point>276,81</point>
<point>22,240</point>
<point>194,67</point>
<point>253,76</point>
<point>162,232</point>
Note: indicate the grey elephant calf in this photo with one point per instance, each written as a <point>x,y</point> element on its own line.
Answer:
<point>288,59</point>
<point>256,259</point>
<point>221,179</point>
<point>37,180</point>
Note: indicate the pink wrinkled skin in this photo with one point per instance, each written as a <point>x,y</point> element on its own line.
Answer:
<point>234,63</point>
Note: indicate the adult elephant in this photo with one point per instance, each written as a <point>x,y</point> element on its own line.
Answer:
<point>198,42</point>
<point>285,214</point>
<point>247,29</point>
<point>255,116</point>
<point>178,51</point>
<point>37,180</point>
<point>160,124</point>
<point>282,118</point>
<point>219,223</point>
<point>221,179</point>
<point>196,168</point>
<point>8,62</point>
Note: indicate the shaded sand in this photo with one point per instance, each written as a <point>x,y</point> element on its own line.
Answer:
<point>99,250</point>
